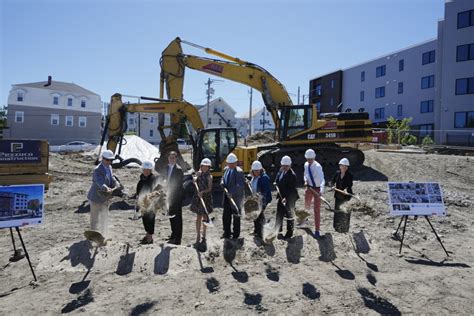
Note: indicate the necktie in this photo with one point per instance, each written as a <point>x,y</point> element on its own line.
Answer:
<point>311,175</point>
<point>170,170</point>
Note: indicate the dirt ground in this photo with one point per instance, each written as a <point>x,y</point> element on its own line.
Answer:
<point>358,272</point>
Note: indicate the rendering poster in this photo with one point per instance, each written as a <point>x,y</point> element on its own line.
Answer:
<point>410,198</point>
<point>21,205</point>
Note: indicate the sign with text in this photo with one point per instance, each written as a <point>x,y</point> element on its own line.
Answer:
<point>21,205</point>
<point>20,151</point>
<point>410,198</point>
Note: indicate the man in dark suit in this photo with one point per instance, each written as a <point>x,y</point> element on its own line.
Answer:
<point>286,183</point>
<point>174,176</point>
<point>233,180</point>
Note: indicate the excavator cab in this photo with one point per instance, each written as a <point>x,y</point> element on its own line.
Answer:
<point>215,144</point>
<point>294,119</point>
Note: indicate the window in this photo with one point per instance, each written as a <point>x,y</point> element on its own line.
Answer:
<point>465,19</point>
<point>209,121</point>
<point>70,120</point>
<point>400,87</point>
<point>332,84</point>
<point>427,82</point>
<point>362,96</point>
<point>83,103</point>
<point>82,121</point>
<point>380,71</point>
<point>220,122</point>
<point>222,110</point>
<point>362,76</point>
<point>379,113</point>
<point>400,110</point>
<point>152,120</point>
<point>318,106</point>
<point>318,89</point>
<point>69,101</point>
<point>465,52</point>
<point>464,119</point>
<point>426,106</point>
<point>331,101</point>
<point>131,121</point>
<point>428,57</point>
<point>426,130</point>
<point>151,133</point>
<point>379,92</point>
<point>55,100</point>
<point>19,96</point>
<point>401,65</point>
<point>19,116</point>
<point>54,119</point>
<point>465,86</point>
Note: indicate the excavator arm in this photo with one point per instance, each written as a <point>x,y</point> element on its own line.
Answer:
<point>180,112</point>
<point>173,63</point>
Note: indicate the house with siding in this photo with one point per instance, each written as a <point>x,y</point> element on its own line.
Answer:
<point>57,111</point>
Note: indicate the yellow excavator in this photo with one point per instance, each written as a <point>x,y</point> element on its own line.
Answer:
<point>185,122</point>
<point>297,127</point>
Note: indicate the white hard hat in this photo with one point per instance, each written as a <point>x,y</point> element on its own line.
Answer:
<point>310,154</point>
<point>206,162</point>
<point>147,165</point>
<point>344,162</point>
<point>108,154</point>
<point>231,158</point>
<point>285,161</point>
<point>256,165</point>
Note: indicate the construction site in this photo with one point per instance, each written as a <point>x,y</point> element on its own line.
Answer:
<point>196,218</point>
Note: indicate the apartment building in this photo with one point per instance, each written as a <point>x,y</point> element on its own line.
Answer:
<point>57,111</point>
<point>431,82</point>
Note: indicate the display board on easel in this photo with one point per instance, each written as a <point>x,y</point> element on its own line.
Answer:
<point>21,205</point>
<point>415,199</point>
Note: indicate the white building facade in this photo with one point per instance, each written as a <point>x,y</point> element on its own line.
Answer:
<point>221,114</point>
<point>261,121</point>
<point>431,82</point>
<point>57,111</point>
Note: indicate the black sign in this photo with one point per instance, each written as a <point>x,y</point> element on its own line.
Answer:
<point>20,151</point>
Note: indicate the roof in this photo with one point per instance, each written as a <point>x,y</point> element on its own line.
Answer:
<point>255,111</point>
<point>219,100</point>
<point>57,86</point>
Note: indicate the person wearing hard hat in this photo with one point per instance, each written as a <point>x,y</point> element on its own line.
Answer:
<point>260,183</point>
<point>233,182</point>
<point>146,184</point>
<point>342,180</point>
<point>314,183</point>
<point>100,193</point>
<point>287,196</point>
<point>203,179</point>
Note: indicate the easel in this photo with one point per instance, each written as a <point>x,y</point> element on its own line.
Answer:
<point>405,225</point>
<point>17,255</point>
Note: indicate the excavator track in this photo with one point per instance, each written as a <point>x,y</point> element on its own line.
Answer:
<point>328,156</point>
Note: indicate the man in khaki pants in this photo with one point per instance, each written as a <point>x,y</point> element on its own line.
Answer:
<point>100,192</point>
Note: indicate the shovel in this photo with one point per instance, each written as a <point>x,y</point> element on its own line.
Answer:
<point>209,223</point>
<point>252,205</point>
<point>232,202</point>
<point>271,236</point>
<point>346,193</point>
<point>328,205</point>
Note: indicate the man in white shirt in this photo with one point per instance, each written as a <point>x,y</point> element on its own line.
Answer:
<point>314,183</point>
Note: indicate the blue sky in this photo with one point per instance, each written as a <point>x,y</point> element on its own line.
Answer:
<point>114,46</point>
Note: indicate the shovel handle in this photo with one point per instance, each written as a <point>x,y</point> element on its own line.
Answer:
<point>200,198</point>
<point>346,193</point>
<point>232,201</point>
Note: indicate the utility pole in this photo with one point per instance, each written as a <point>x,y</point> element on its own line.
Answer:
<point>209,93</point>
<point>299,95</point>
<point>263,114</point>
<point>250,112</point>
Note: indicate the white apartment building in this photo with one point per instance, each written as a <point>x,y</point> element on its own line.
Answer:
<point>57,111</point>
<point>431,82</point>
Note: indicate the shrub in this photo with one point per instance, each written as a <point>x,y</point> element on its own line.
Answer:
<point>427,140</point>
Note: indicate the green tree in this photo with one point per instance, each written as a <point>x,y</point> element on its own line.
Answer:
<point>398,130</point>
